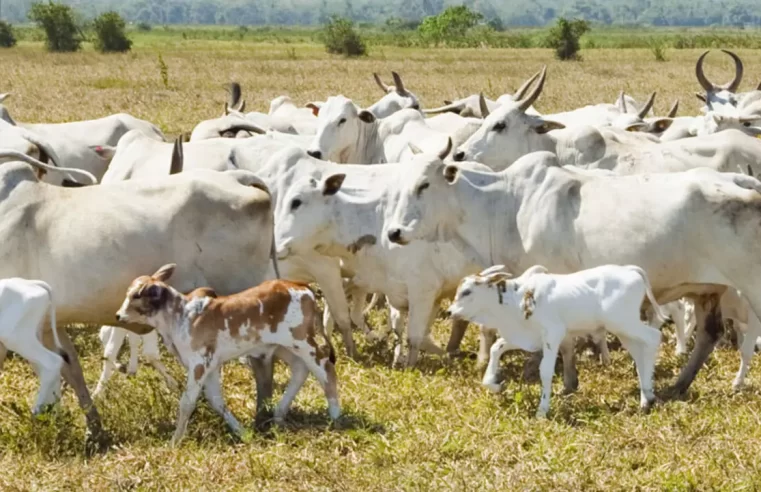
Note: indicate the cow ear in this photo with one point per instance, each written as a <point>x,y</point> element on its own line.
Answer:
<point>333,184</point>
<point>163,273</point>
<point>700,96</point>
<point>315,107</point>
<point>105,152</point>
<point>366,116</point>
<point>662,124</point>
<point>450,173</point>
<point>414,148</point>
<point>499,277</point>
<point>543,126</point>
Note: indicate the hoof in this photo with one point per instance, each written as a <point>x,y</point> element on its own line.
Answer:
<point>738,385</point>
<point>493,387</point>
<point>97,443</point>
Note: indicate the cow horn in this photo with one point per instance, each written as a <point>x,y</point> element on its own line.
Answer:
<point>177,157</point>
<point>735,84</point>
<point>674,109</point>
<point>5,96</point>
<point>526,103</point>
<point>235,93</point>
<point>380,83</point>
<point>244,127</point>
<point>750,171</point>
<point>621,101</point>
<point>701,76</point>
<point>758,87</point>
<point>12,154</point>
<point>449,108</point>
<point>399,83</point>
<point>414,148</point>
<point>482,105</point>
<point>444,153</point>
<point>525,86</point>
<point>647,107</point>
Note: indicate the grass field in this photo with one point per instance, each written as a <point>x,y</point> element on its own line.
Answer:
<point>430,428</point>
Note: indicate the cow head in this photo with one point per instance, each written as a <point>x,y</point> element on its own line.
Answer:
<point>339,127</point>
<point>146,297</point>
<point>719,95</point>
<point>477,295</point>
<point>396,97</point>
<point>305,214</point>
<point>746,119</point>
<point>509,133</point>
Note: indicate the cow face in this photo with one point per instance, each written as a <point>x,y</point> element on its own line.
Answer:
<point>339,126</point>
<point>146,297</point>
<point>506,135</point>
<point>426,207</point>
<point>306,215</point>
<point>477,296</point>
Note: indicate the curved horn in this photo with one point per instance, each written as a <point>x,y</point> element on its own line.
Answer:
<point>235,93</point>
<point>398,83</point>
<point>526,103</point>
<point>674,109</point>
<point>622,101</point>
<point>243,126</point>
<point>444,153</point>
<point>46,167</point>
<point>449,108</point>
<point>380,83</point>
<point>706,84</point>
<point>525,86</point>
<point>482,105</point>
<point>647,107</point>
<point>732,86</point>
<point>758,88</point>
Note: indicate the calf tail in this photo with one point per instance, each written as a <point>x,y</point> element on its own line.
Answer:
<point>53,325</point>
<point>649,292</point>
<point>273,255</point>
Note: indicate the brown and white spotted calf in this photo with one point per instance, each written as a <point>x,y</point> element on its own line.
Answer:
<point>205,331</point>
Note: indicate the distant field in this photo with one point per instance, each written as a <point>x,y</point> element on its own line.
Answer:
<point>431,428</point>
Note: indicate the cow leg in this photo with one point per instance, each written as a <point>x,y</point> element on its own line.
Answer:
<point>327,321</point>
<point>396,326</point>
<point>570,375</point>
<point>153,356</point>
<point>212,390</point>
<point>356,311</point>
<point>421,312</point>
<point>710,327</point>
<point>747,349</point>
<point>112,338</point>
<point>459,327</point>
<point>335,297</point>
<point>299,374</point>
<point>3,355</point>
<point>262,368</point>
<point>486,338</point>
<point>600,339</point>
<point>133,340</point>
<point>97,439</point>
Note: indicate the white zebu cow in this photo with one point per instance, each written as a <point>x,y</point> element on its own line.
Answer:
<point>539,311</point>
<point>89,257</point>
<point>396,98</point>
<point>338,210</point>
<point>746,119</point>
<point>509,133</point>
<point>693,233</point>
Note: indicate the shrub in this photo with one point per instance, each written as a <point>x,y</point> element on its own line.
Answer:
<point>163,71</point>
<point>57,20</point>
<point>451,24</point>
<point>658,48</point>
<point>340,38</point>
<point>110,35</point>
<point>7,39</point>
<point>144,26</point>
<point>564,36</point>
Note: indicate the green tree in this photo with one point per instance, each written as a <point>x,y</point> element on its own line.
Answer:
<point>57,20</point>
<point>453,23</point>
<point>341,38</point>
<point>110,34</point>
<point>564,37</point>
<point>7,39</point>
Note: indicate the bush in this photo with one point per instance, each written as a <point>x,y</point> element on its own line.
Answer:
<point>450,25</point>
<point>144,26</point>
<point>564,36</point>
<point>57,20</point>
<point>658,48</point>
<point>110,35</point>
<point>340,38</point>
<point>7,39</point>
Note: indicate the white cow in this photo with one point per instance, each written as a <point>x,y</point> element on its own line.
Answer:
<point>539,311</point>
<point>692,232</point>
<point>396,98</point>
<point>24,305</point>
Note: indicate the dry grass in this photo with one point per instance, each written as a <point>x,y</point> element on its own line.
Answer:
<point>430,428</point>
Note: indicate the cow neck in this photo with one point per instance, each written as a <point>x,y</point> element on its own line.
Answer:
<point>369,146</point>
<point>358,215</point>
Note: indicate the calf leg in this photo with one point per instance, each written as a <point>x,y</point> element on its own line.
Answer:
<point>324,371</point>
<point>570,375</point>
<point>546,371</point>
<point>3,355</point>
<point>153,356</point>
<point>188,400</point>
<point>710,328</point>
<point>486,338</point>
<point>112,338</point>
<point>459,327</point>
<point>600,339</point>
<point>299,374</point>
<point>212,390</point>
<point>747,349</point>
<point>491,376</point>
<point>680,330</point>
<point>644,351</point>
<point>133,340</point>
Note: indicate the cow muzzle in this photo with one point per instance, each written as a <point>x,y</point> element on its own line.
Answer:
<point>395,236</point>
<point>315,153</point>
<point>121,318</point>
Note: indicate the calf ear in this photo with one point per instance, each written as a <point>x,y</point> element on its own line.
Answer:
<point>333,184</point>
<point>450,173</point>
<point>163,273</point>
<point>366,116</point>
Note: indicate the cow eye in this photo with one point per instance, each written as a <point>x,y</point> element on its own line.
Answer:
<point>341,121</point>
<point>465,293</point>
<point>295,204</point>
<point>746,124</point>
<point>422,188</point>
<point>416,107</point>
<point>499,126</point>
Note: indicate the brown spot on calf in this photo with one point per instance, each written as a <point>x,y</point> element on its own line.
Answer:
<point>198,372</point>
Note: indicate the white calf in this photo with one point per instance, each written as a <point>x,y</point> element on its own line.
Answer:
<point>112,338</point>
<point>23,306</point>
<point>539,311</point>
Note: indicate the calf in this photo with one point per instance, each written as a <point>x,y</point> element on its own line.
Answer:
<point>538,311</point>
<point>205,331</point>
<point>23,306</point>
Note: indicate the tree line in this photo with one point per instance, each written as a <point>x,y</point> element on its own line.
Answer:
<point>397,14</point>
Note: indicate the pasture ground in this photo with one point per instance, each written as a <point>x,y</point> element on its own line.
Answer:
<point>431,428</point>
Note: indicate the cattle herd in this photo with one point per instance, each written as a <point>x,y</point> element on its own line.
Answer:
<point>605,214</point>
